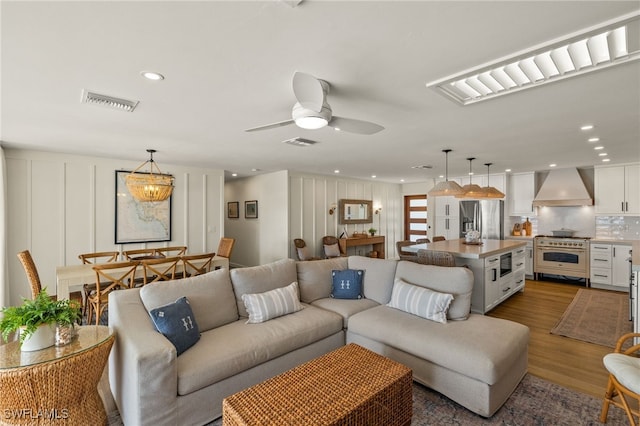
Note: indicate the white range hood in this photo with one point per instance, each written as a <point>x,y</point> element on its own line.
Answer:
<point>563,187</point>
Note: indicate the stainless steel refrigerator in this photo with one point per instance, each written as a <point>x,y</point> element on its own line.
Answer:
<point>486,216</point>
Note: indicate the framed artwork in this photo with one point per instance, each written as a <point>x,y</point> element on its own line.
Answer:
<point>139,222</point>
<point>233,208</point>
<point>251,209</point>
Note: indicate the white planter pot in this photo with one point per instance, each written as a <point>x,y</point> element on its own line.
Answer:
<point>43,337</point>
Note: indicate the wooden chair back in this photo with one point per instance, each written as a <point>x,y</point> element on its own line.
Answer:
<point>404,243</point>
<point>423,241</point>
<point>193,264</point>
<point>225,246</point>
<point>331,246</point>
<point>139,254</point>
<point>438,258</point>
<point>438,238</point>
<point>99,257</point>
<point>155,270</point>
<point>618,394</point>
<point>110,277</point>
<point>32,273</point>
<point>171,251</point>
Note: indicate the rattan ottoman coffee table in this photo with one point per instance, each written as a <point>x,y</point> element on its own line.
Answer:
<point>349,386</point>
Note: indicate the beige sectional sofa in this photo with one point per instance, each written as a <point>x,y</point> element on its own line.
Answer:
<point>475,360</point>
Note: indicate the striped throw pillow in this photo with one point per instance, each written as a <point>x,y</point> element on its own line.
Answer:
<point>272,304</point>
<point>420,301</point>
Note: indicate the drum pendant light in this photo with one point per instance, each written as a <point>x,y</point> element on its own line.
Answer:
<point>471,190</point>
<point>149,186</point>
<point>446,187</point>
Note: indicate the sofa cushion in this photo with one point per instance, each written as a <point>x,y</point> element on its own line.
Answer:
<point>177,323</point>
<point>481,347</point>
<point>314,277</point>
<point>210,295</point>
<point>258,279</point>
<point>378,277</point>
<point>233,348</point>
<point>345,307</point>
<point>347,284</point>
<point>420,301</point>
<point>457,281</point>
<point>272,304</point>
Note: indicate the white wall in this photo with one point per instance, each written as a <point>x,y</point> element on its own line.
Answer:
<point>265,239</point>
<point>62,205</point>
<point>311,197</point>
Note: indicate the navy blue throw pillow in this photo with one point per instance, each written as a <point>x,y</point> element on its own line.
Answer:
<point>177,323</point>
<point>347,284</point>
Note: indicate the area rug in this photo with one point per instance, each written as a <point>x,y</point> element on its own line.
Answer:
<point>596,316</point>
<point>534,402</point>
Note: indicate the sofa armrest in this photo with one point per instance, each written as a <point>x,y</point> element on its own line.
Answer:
<point>143,372</point>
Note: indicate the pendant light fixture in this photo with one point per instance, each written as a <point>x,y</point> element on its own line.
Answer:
<point>489,191</point>
<point>149,186</point>
<point>446,187</point>
<point>471,190</point>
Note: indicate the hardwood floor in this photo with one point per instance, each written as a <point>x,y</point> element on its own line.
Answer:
<point>568,362</point>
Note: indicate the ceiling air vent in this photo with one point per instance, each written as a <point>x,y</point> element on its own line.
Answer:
<point>298,141</point>
<point>422,167</point>
<point>108,101</point>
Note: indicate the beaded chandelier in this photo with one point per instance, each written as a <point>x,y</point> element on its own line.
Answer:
<point>149,186</point>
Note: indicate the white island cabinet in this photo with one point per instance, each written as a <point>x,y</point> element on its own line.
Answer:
<point>498,268</point>
<point>610,265</point>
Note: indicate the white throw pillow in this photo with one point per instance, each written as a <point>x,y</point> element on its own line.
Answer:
<point>272,304</point>
<point>420,301</point>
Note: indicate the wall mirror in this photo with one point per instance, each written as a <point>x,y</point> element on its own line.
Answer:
<point>354,211</point>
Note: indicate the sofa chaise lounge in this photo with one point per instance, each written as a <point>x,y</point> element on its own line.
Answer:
<point>475,360</point>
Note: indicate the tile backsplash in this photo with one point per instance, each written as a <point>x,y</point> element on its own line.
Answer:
<point>618,227</point>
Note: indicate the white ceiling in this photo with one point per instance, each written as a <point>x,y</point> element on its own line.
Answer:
<point>229,65</point>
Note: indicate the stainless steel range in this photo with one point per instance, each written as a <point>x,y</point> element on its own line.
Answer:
<point>565,256</point>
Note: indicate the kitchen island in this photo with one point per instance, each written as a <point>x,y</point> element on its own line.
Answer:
<point>498,268</point>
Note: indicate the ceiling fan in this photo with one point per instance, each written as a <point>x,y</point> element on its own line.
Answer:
<point>312,111</point>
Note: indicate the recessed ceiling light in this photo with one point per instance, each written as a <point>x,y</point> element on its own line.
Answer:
<point>441,176</point>
<point>507,170</point>
<point>602,154</point>
<point>587,127</point>
<point>606,160</point>
<point>234,174</point>
<point>373,176</point>
<point>593,139</point>
<point>152,75</point>
<point>552,165</point>
<point>598,148</point>
<point>336,171</point>
<point>255,170</point>
<point>401,180</point>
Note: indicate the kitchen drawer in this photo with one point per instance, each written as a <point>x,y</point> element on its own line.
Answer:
<point>601,249</point>
<point>601,276</point>
<point>600,261</point>
<point>519,264</point>
<point>518,281</point>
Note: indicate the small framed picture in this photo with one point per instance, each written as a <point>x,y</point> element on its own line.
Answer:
<point>233,208</point>
<point>251,209</point>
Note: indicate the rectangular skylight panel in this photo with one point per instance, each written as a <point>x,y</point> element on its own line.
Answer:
<point>546,65</point>
<point>580,54</point>
<point>562,60</point>
<point>486,79</point>
<point>532,71</point>
<point>502,78</point>
<point>478,86</point>
<point>516,74</point>
<point>598,49</point>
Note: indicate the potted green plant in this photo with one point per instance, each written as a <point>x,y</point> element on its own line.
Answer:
<point>37,319</point>
<point>372,231</point>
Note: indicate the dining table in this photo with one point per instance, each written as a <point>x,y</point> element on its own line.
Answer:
<point>70,276</point>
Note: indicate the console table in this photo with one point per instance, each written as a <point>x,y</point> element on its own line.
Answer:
<point>376,242</point>
<point>56,383</point>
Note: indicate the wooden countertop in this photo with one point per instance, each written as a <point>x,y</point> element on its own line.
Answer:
<point>468,251</point>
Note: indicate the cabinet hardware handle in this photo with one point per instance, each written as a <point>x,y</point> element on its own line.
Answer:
<point>598,275</point>
<point>519,264</point>
<point>495,275</point>
<point>506,289</point>
<point>602,260</point>
<point>614,252</point>
<point>622,205</point>
<point>626,204</point>
<point>520,281</point>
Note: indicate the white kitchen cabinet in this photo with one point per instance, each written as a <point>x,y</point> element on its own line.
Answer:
<point>520,194</point>
<point>617,190</point>
<point>492,282</point>
<point>528,255</point>
<point>610,266</point>
<point>447,217</point>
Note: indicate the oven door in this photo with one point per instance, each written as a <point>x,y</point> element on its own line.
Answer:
<point>562,261</point>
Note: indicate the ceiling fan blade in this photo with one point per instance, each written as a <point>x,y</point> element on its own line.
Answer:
<point>308,91</point>
<point>352,125</point>
<point>270,126</point>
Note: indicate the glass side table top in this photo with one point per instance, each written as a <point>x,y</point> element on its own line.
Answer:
<point>88,336</point>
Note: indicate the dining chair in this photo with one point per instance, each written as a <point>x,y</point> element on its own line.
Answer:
<point>155,270</point>
<point>94,258</point>
<point>439,238</point>
<point>423,241</point>
<point>331,246</point>
<point>302,250</point>
<point>623,366</point>
<point>171,251</point>
<point>139,254</point>
<point>405,255</point>
<point>32,273</point>
<point>110,277</point>
<point>434,257</point>
<point>192,266</point>
<point>225,246</point>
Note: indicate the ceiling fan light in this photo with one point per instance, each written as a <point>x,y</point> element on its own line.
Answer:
<point>311,122</point>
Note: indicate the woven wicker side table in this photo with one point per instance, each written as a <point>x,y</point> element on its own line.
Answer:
<point>57,385</point>
<point>349,386</point>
